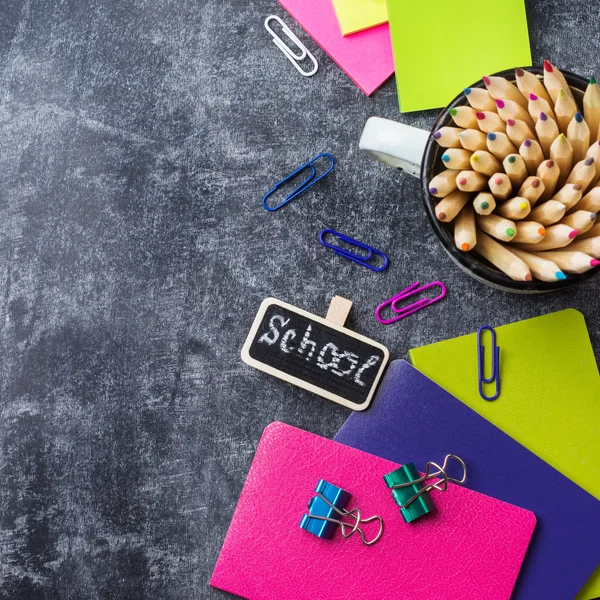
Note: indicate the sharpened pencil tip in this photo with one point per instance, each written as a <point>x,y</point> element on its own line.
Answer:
<point>548,66</point>
<point>462,181</point>
<point>519,72</point>
<point>480,116</point>
<point>512,158</point>
<point>527,143</point>
<point>549,163</point>
<point>560,275</point>
<point>465,246</point>
<point>486,80</point>
<point>491,136</point>
<point>543,116</point>
<point>593,216</point>
<point>574,234</point>
<point>542,231</point>
<point>500,103</point>
<point>437,135</point>
<point>498,181</point>
<point>594,262</point>
<point>589,161</point>
<point>579,117</point>
<point>511,122</point>
<point>452,112</point>
<point>433,191</point>
<point>510,231</point>
<point>528,277</point>
<point>523,206</point>
<point>533,97</point>
<point>442,216</point>
<point>535,183</point>
<point>467,91</point>
<point>485,205</point>
<point>446,158</point>
<point>592,80</point>
<point>561,94</point>
<point>562,138</point>
<point>577,187</point>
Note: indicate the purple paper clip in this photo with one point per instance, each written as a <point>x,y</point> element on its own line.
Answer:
<point>405,311</point>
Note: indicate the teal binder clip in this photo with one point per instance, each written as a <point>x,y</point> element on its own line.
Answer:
<point>411,492</point>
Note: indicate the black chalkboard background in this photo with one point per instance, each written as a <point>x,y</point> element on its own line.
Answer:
<point>314,361</point>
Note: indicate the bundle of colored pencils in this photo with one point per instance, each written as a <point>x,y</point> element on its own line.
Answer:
<point>521,183</point>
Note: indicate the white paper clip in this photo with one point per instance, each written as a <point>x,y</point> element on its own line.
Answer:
<point>295,59</point>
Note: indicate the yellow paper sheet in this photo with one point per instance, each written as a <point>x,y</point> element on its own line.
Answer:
<point>441,47</point>
<point>356,15</point>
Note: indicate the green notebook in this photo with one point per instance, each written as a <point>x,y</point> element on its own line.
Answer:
<point>442,47</point>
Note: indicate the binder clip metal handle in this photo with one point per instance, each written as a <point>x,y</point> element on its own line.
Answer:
<point>495,376</point>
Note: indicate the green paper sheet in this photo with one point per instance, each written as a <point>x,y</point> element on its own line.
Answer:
<point>442,47</point>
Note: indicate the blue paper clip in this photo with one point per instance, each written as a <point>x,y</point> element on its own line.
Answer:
<point>302,187</point>
<point>322,509</point>
<point>495,376</point>
<point>364,260</point>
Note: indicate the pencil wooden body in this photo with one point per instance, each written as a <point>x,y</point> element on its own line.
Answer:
<point>532,154</point>
<point>479,99</point>
<point>554,81</point>
<point>508,109</point>
<point>591,108</point>
<point>515,168</point>
<point>549,173</point>
<point>583,173</point>
<point>465,235</point>
<point>589,245</point>
<point>557,236</point>
<point>447,137</point>
<point>443,183</point>
<point>529,232</point>
<point>499,145</point>
<point>484,162</point>
<point>569,195</point>
<point>537,106</point>
<point>473,140</point>
<point>456,158</point>
<point>591,233</point>
<point>484,203</point>
<point>564,109</point>
<point>447,209</point>
<point>471,181</point>
<point>531,189</point>
<point>594,152</point>
<point>561,152</point>
<point>514,209</point>
<point>578,134</point>
<point>489,122</point>
<point>502,89</point>
<point>502,258</point>
<point>591,201</point>
<point>500,186</point>
<point>464,116</point>
<point>519,131</point>
<point>547,131</point>
<point>548,213</point>
<point>528,83</point>
<point>498,227</point>
<point>582,220</point>
<point>571,261</point>
<point>541,268</point>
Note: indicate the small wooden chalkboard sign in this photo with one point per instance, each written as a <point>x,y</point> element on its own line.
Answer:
<point>319,355</point>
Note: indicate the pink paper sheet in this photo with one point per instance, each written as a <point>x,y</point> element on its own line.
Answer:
<point>471,548</point>
<point>366,56</point>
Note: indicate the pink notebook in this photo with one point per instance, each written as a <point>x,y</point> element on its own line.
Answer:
<point>470,548</point>
<point>366,57</point>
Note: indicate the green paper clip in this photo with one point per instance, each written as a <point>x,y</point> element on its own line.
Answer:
<point>411,495</point>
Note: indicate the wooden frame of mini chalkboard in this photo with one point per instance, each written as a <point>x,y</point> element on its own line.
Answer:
<point>338,311</point>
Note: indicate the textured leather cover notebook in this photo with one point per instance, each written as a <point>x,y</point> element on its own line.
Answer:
<point>413,419</point>
<point>471,548</point>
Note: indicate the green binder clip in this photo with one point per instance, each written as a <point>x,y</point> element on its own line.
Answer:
<point>411,492</point>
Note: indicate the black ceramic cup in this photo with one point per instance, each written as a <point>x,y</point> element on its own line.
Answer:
<point>416,152</point>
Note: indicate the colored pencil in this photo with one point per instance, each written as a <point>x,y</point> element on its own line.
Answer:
<point>548,213</point>
<point>547,131</point>
<point>549,173</point>
<point>591,201</point>
<point>569,195</point>
<point>443,183</point>
<point>554,81</point>
<point>489,121</point>
<point>583,173</point>
<point>514,209</point>
<point>531,189</point>
<point>557,236</point>
<point>502,89</point>
<point>500,145</point>
<point>519,131</point>
<point>591,233</point>
<point>447,137</point>
<point>528,83</point>
<point>578,133</point>
<point>591,107</point>
<point>473,140</point>
<point>465,234</point>
<point>479,99</point>
<point>484,162</point>
<point>537,106</point>
<point>500,186</point>
<point>515,168</point>
<point>447,209</point>
<point>532,154</point>
<point>464,116</point>
<point>582,220</point>
<point>507,109</point>
<point>564,109</point>
<point>594,152</point>
<point>589,245</point>
<point>484,203</point>
<point>561,152</point>
<point>541,268</point>
<point>529,232</point>
<point>456,158</point>
<point>502,258</point>
<point>502,229</point>
<point>571,261</point>
<point>471,181</point>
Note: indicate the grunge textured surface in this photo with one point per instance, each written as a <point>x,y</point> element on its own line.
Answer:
<point>136,140</point>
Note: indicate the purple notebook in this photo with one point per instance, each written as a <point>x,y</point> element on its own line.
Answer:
<point>412,419</point>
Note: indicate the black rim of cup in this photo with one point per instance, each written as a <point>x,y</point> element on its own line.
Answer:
<point>477,266</point>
